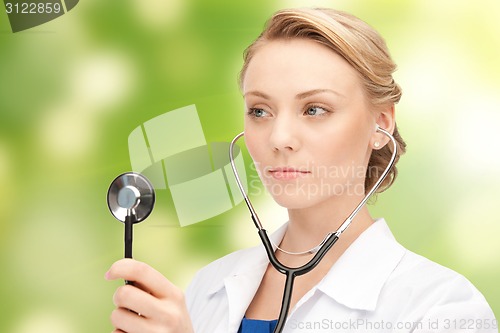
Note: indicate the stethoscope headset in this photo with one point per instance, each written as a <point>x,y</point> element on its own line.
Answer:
<point>319,251</point>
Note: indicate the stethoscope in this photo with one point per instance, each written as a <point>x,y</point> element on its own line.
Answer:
<point>131,198</point>
<point>292,272</point>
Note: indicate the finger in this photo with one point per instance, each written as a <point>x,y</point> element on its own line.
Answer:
<point>150,279</point>
<point>137,300</point>
<point>126,321</point>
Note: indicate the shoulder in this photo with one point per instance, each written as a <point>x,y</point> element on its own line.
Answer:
<point>419,278</point>
<point>434,293</point>
<point>428,276</point>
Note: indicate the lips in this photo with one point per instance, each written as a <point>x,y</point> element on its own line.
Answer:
<point>287,173</point>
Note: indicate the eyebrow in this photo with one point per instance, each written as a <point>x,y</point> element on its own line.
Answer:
<point>317,91</point>
<point>258,94</point>
<point>302,95</point>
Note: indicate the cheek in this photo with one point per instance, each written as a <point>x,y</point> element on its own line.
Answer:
<point>340,154</point>
<point>331,144</point>
<point>254,142</point>
<point>256,146</point>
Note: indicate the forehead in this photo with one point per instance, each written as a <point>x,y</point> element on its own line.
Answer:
<point>299,64</point>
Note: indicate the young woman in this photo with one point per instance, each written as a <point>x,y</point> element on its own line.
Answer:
<point>316,85</point>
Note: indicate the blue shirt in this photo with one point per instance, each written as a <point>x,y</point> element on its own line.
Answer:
<point>257,326</point>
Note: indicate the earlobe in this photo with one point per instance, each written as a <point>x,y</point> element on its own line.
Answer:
<point>376,141</point>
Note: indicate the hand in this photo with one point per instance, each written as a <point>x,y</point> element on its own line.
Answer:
<point>152,304</point>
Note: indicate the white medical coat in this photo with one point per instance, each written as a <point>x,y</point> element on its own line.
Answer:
<point>375,286</point>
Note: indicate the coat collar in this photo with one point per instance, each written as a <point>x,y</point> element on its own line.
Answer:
<point>242,282</point>
<point>251,264</point>
<point>355,280</point>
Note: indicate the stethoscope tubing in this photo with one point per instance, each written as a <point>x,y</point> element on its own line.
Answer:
<point>292,272</point>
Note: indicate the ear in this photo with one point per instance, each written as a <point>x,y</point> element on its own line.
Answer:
<point>385,119</point>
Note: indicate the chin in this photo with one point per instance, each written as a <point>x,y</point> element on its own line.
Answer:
<point>293,198</point>
<point>297,201</point>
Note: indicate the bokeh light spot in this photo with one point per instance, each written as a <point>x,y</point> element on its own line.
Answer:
<point>473,137</point>
<point>68,132</point>
<point>472,232</point>
<point>160,14</point>
<point>45,321</point>
<point>101,80</point>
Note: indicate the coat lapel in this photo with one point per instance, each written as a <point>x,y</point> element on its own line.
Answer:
<point>242,285</point>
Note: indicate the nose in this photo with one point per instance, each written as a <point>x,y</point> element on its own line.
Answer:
<point>284,135</point>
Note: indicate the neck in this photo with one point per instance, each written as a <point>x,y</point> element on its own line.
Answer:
<point>308,227</point>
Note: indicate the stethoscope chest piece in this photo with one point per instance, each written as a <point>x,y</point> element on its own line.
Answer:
<point>131,199</point>
<point>131,194</point>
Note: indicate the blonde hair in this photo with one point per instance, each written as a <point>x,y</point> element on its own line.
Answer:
<point>361,46</point>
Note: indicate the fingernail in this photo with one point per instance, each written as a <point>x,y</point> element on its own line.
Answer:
<point>106,276</point>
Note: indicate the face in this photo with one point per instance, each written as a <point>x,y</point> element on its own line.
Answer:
<point>308,123</point>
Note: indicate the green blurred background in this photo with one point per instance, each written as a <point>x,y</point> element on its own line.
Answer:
<point>73,89</point>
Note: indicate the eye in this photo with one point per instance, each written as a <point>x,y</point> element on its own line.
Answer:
<point>257,113</point>
<point>315,111</point>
